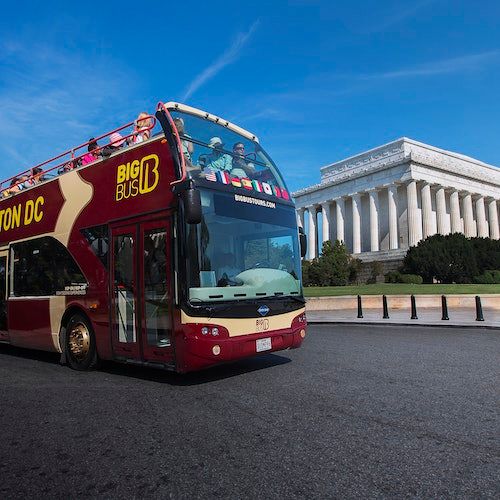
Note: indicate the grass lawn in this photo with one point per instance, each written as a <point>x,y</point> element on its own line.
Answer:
<point>398,289</point>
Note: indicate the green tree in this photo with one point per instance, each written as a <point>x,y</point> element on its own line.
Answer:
<point>306,268</point>
<point>331,268</point>
<point>333,264</point>
<point>447,259</point>
<point>355,266</point>
<point>487,253</point>
<point>376,269</point>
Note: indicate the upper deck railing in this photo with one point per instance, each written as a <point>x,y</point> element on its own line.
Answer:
<point>72,158</point>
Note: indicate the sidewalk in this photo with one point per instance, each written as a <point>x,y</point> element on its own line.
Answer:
<point>461,310</point>
<point>426,317</point>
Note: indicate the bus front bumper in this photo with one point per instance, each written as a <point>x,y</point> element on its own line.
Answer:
<point>202,351</point>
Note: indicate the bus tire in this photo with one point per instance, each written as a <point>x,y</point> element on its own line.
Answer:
<point>80,345</point>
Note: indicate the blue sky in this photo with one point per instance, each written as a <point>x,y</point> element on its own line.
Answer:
<point>317,81</point>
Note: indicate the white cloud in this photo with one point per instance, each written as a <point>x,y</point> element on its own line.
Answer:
<point>229,56</point>
<point>452,65</point>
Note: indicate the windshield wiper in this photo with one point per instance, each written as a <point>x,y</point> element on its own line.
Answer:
<point>214,308</point>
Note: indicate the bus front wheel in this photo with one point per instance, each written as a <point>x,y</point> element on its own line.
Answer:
<point>80,345</point>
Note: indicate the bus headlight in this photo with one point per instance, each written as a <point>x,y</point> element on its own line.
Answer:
<point>210,331</point>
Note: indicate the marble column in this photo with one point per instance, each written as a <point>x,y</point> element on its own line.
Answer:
<point>456,225</point>
<point>339,213</point>
<point>356,223</point>
<point>427,223</point>
<point>374,222</point>
<point>469,226</point>
<point>311,237</point>
<point>482,224</point>
<point>300,217</point>
<point>327,215</point>
<point>392,194</point>
<point>414,222</point>
<point>493,216</point>
<point>442,223</point>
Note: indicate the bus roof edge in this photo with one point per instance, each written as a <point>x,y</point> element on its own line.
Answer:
<point>177,106</point>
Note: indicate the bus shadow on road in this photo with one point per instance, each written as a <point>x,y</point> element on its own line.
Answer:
<point>20,352</point>
<point>208,375</point>
<point>215,373</point>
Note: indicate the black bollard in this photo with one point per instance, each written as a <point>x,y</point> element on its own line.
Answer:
<point>360,308</point>
<point>479,309</point>
<point>413,308</point>
<point>384,305</point>
<point>444,308</point>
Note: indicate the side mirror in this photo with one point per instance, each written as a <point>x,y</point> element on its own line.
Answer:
<point>192,205</point>
<point>303,242</point>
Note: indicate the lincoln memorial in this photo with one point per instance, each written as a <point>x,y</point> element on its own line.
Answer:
<point>385,200</point>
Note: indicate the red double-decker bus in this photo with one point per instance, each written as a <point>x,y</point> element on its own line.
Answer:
<point>180,250</point>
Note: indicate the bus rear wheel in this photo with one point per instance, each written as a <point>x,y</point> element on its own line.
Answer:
<point>80,345</point>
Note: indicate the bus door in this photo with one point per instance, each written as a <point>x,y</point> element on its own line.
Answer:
<point>140,284</point>
<point>4,334</point>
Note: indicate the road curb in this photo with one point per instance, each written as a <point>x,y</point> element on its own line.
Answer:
<point>392,323</point>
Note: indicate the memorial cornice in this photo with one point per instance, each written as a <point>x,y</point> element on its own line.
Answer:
<point>354,172</point>
<point>458,166</point>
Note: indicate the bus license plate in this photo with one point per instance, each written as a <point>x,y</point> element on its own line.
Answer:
<point>263,344</point>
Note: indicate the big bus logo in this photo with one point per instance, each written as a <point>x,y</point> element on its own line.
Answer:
<point>137,177</point>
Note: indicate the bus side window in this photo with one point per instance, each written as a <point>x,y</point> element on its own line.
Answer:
<point>98,240</point>
<point>156,288</point>
<point>43,266</point>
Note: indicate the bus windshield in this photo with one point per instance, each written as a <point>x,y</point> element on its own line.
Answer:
<point>244,248</point>
<point>210,147</point>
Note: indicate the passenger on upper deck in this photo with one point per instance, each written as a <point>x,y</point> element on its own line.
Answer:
<point>217,159</point>
<point>24,182</point>
<point>240,167</point>
<point>187,146</point>
<point>13,187</point>
<point>36,176</point>
<point>116,141</point>
<point>142,130</point>
<point>93,152</point>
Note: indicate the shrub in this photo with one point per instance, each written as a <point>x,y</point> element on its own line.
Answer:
<point>448,259</point>
<point>355,266</point>
<point>397,277</point>
<point>488,278</point>
<point>334,267</point>
<point>376,269</point>
<point>311,275</point>
<point>393,277</point>
<point>453,258</point>
<point>487,253</point>
<point>410,278</point>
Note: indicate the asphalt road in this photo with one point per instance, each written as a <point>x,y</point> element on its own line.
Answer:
<point>357,412</point>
